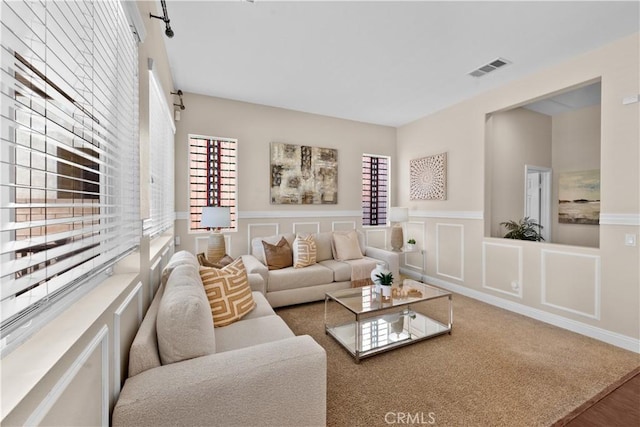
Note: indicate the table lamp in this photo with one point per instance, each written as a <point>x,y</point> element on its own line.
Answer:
<point>397,215</point>
<point>216,217</point>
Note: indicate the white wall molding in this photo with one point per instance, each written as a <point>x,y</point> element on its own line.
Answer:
<point>250,236</point>
<point>297,214</point>
<point>155,276</point>
<point>370,231</point>
<point>117,315</point>
<point>447,214</point>
<point>296,224</point>
<point>461,227</point>
<point>613,338</point>
<point>619,219</point>
<point>596,283</point>
<point>423,233</point>
<point>101,339</point>
<point>334,223</point>
<point>518,292</point>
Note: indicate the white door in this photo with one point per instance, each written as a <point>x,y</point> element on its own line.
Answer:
<point>537,203</point>
<point>533,196</point>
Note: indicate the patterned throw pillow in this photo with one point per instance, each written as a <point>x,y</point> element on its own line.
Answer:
<point>228,292</point>
<point>278,256</point>
<point>225,260</point>
<point>304,251</point>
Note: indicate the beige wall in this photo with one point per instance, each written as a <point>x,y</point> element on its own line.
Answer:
<point>255,127</point>
<point>576,147</point>
<point>70,371</point>
<point>541,271</point>
<point>519,137</point>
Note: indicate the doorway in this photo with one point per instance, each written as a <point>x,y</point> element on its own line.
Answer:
<point>537,197</point>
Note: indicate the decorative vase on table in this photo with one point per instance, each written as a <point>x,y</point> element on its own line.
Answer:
<point>380,269</point>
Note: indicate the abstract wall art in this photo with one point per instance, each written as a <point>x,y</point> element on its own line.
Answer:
<point>579,197</point>
<point>428,178</point>
<point>302,175</point>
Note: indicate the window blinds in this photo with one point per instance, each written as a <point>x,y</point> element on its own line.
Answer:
<point>161,143</point>
<point>212,177</point>
<point>69,158</point>
<point>375,180</point>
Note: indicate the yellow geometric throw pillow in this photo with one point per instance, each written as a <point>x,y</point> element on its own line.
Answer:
<point>228,292</point>
<point>304,251</point>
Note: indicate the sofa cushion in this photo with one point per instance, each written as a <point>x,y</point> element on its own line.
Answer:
<point>184,326</point>
<point>228,292</point>
<point>346,245</point>
<point>279,255</point>
<point>290,278</point>
<point>304,251</point>
<point>341,270</point>
<point>179,258</point>
<point>250,332</point>
<point>263,308</point>
<point>323,245</point>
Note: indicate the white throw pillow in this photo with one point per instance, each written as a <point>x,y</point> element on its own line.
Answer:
<point>346,246</point>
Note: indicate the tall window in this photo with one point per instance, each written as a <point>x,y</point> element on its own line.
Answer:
<point>375,189</point>
<point>212,177</point>
<point>161,157</point>
<point>68,157</point>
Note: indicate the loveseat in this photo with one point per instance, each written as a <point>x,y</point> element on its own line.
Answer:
<point>329,272</point>
<point>183,371</point>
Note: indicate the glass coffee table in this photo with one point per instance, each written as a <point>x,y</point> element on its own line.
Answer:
<point>365,324</point>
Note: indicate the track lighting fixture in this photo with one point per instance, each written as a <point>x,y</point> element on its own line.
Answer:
<point>165,18</point>
<point>181,105</point>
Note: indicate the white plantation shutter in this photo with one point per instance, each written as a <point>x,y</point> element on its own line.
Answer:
<point>375,188</point>
<point>69,151</point>
<point>161,146</point>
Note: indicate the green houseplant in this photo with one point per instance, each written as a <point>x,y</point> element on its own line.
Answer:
<point>386,280</point>
<point>411,241</point>
<point>525,229</point>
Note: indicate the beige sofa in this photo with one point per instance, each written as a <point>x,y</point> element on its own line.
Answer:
<point>291,285</point>
<point>254,371</point>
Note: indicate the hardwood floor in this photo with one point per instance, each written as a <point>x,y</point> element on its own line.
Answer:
<point>618,406</point>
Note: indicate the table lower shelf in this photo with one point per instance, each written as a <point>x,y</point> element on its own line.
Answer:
<point>386,332</point>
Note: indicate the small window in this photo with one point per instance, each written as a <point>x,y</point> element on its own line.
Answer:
<point>375,189</point>
<point>212,177</point>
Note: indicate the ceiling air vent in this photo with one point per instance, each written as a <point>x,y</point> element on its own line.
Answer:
<point>491,66</point>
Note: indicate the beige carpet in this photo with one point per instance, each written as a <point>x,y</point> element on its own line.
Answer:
<point>496,369</point>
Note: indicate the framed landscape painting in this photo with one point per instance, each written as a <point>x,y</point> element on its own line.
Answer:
<point>579,197</point>
<point>302,175</point>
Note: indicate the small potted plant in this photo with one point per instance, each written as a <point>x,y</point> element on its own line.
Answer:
<point>411,244</point>
<point>385,280</point>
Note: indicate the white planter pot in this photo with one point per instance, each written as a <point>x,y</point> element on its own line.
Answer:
<point>386,291</point>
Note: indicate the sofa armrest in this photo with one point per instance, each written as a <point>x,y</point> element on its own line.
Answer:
<point>254,266</point>
<point>280,383</point>
<point>391,258</point>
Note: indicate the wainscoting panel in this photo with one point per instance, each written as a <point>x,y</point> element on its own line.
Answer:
<point>261,230</point>
<point>126,321</point>
<point>571,282</point>
<point>155,275</point>
<point>87,381</point>
<point>343,225</point>
<point>415,230</point>
<point>306,227</point>
<point>450,250</point>
<point>376,237</point>
<point>502,268</point>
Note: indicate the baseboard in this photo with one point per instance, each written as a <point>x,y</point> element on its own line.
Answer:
<point>613,338</point>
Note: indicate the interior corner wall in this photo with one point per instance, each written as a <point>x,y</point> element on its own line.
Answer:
<point>540,271</point>
<point>519,137</point>
<point>576,147</point>
<point>255,127</point>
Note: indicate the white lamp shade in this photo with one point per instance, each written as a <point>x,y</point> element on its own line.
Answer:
<point>215,216</point>
<point>398,214</point>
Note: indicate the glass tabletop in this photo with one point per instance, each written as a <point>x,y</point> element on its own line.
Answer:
<point>365,299</point>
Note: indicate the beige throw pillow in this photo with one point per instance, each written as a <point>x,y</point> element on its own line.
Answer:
<point>228,292</point>
<point>279,255</point>
<point>304,251</point>
<point>346,246</point>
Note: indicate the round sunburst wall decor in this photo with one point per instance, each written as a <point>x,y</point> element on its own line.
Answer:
<point>428,178</point>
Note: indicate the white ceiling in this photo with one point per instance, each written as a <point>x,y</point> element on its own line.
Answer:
<point>379,62</point>
<point>568,101</point>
